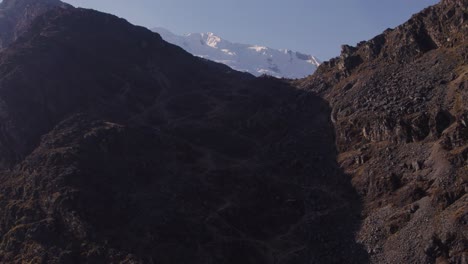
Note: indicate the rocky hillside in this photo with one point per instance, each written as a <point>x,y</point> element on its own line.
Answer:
<point>117,147</point>
<point>399,107</point>
<point>17,15</point>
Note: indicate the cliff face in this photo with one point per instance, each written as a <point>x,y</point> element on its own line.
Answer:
<point>117,147</point>
<point>399,107</point>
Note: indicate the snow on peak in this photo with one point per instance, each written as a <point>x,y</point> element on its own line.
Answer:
<point>258,48</point>
<point>212,40</point>
<point>254,59</point>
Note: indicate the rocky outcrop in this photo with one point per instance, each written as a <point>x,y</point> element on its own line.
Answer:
<point>399,109</point>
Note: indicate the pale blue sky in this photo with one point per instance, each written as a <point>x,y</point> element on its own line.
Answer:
<point>317,27</point>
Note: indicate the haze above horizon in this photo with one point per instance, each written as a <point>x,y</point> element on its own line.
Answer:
<point>311,26</point>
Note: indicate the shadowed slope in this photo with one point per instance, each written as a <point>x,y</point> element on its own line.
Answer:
<point>119,147</point>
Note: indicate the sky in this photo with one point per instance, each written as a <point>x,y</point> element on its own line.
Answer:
<point>316,27</point>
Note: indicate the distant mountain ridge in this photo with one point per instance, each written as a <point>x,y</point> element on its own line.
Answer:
<point>255,59</point>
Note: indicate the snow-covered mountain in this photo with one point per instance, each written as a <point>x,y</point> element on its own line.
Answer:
<point>254,59</point>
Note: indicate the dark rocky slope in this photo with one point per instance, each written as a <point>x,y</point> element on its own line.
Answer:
<point>117,147</point>
<point>17,15</point>
<point>399,107</point>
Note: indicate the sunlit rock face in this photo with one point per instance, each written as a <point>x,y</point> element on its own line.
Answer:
<point>399,106</point>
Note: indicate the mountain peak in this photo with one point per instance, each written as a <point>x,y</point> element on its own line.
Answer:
<point>211,39</point>
<point>255,59</point>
